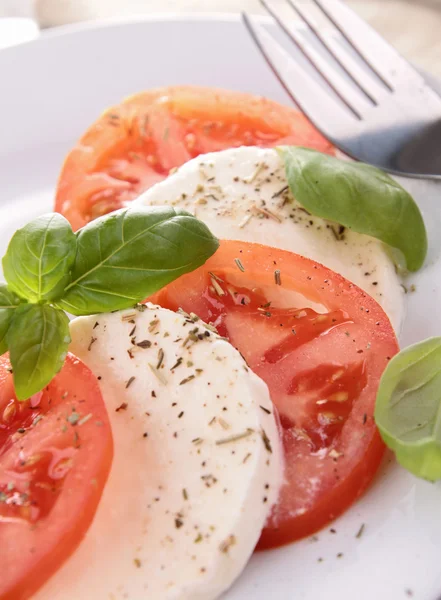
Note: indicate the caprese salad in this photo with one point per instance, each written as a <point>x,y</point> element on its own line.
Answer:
<point>228,379</point>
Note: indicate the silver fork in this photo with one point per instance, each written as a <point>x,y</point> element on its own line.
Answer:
<point>367,99</point>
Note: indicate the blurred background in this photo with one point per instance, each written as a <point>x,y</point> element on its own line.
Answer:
<point>412,26</point>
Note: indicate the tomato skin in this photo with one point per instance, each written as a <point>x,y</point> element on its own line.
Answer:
<point>64,490</point>
<point>331,507</point>
<point>135,144</point>
<point>316,364</point>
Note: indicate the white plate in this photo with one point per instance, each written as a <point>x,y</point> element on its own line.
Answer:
<point>52,89</point>
<point>16,30</point>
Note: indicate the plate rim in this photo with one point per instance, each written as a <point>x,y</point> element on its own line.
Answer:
<point>165,17</point>
<point>154,17</point>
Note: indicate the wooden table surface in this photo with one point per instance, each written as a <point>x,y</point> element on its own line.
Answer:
<point>412,26</point>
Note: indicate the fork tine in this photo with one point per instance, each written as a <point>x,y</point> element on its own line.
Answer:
<point>359,69</point>
<point>300,86</point>
<point>335,82</point>
<point>383,60</point>
<point>337,57</point>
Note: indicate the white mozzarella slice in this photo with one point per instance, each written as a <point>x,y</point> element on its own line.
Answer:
<point>197,461</point>
<point>242,194</point>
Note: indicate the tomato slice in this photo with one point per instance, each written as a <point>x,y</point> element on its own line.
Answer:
<point>135,144</point>
<point>55,454</point>
<point>321,344</point>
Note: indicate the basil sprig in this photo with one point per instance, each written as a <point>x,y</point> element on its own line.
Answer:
<point>408,408</point>
<point>360,197</point>
<point>110,264</point>
<point>38,338</point>
<point>39,258</point>
<point>130,254</point>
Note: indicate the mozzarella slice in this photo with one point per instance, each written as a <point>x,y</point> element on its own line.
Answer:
<point>242,194</point>
<point>197,461</point>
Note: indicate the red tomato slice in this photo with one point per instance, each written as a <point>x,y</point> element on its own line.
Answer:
<point>322,365</point>
<point>55,455</point>
<point>135,144</point>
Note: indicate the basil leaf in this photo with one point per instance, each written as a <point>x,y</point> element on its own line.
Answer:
<point>39,257</point>
<point>8,303</point>
<point>38,338</point>
<point>408,408</point>
<point>124,257</point>
<point>358,196</point>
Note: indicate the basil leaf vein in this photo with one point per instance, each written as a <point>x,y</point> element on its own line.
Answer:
<point>128,255</point>
<point>408,408</point>
<point>39,257</point>
<point>38,339</point>
<point>360,197</point>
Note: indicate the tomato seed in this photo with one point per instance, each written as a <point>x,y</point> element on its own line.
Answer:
<point>9,412</point>
<point>339,397</point>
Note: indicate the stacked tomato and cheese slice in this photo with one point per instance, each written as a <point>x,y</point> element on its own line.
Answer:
<point>197,424</point>
<point>241,399</point>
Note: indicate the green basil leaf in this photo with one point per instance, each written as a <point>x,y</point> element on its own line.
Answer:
<point>38,338</point>
<point>39,257</point>
<point>8,303</point>
<point>127,255</point>
<point>408,408</point>
<point>358,196</point>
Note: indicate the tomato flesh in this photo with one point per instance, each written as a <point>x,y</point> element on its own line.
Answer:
<point>321,345</point>
<point>55,455</point>
<point>137,143</point>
